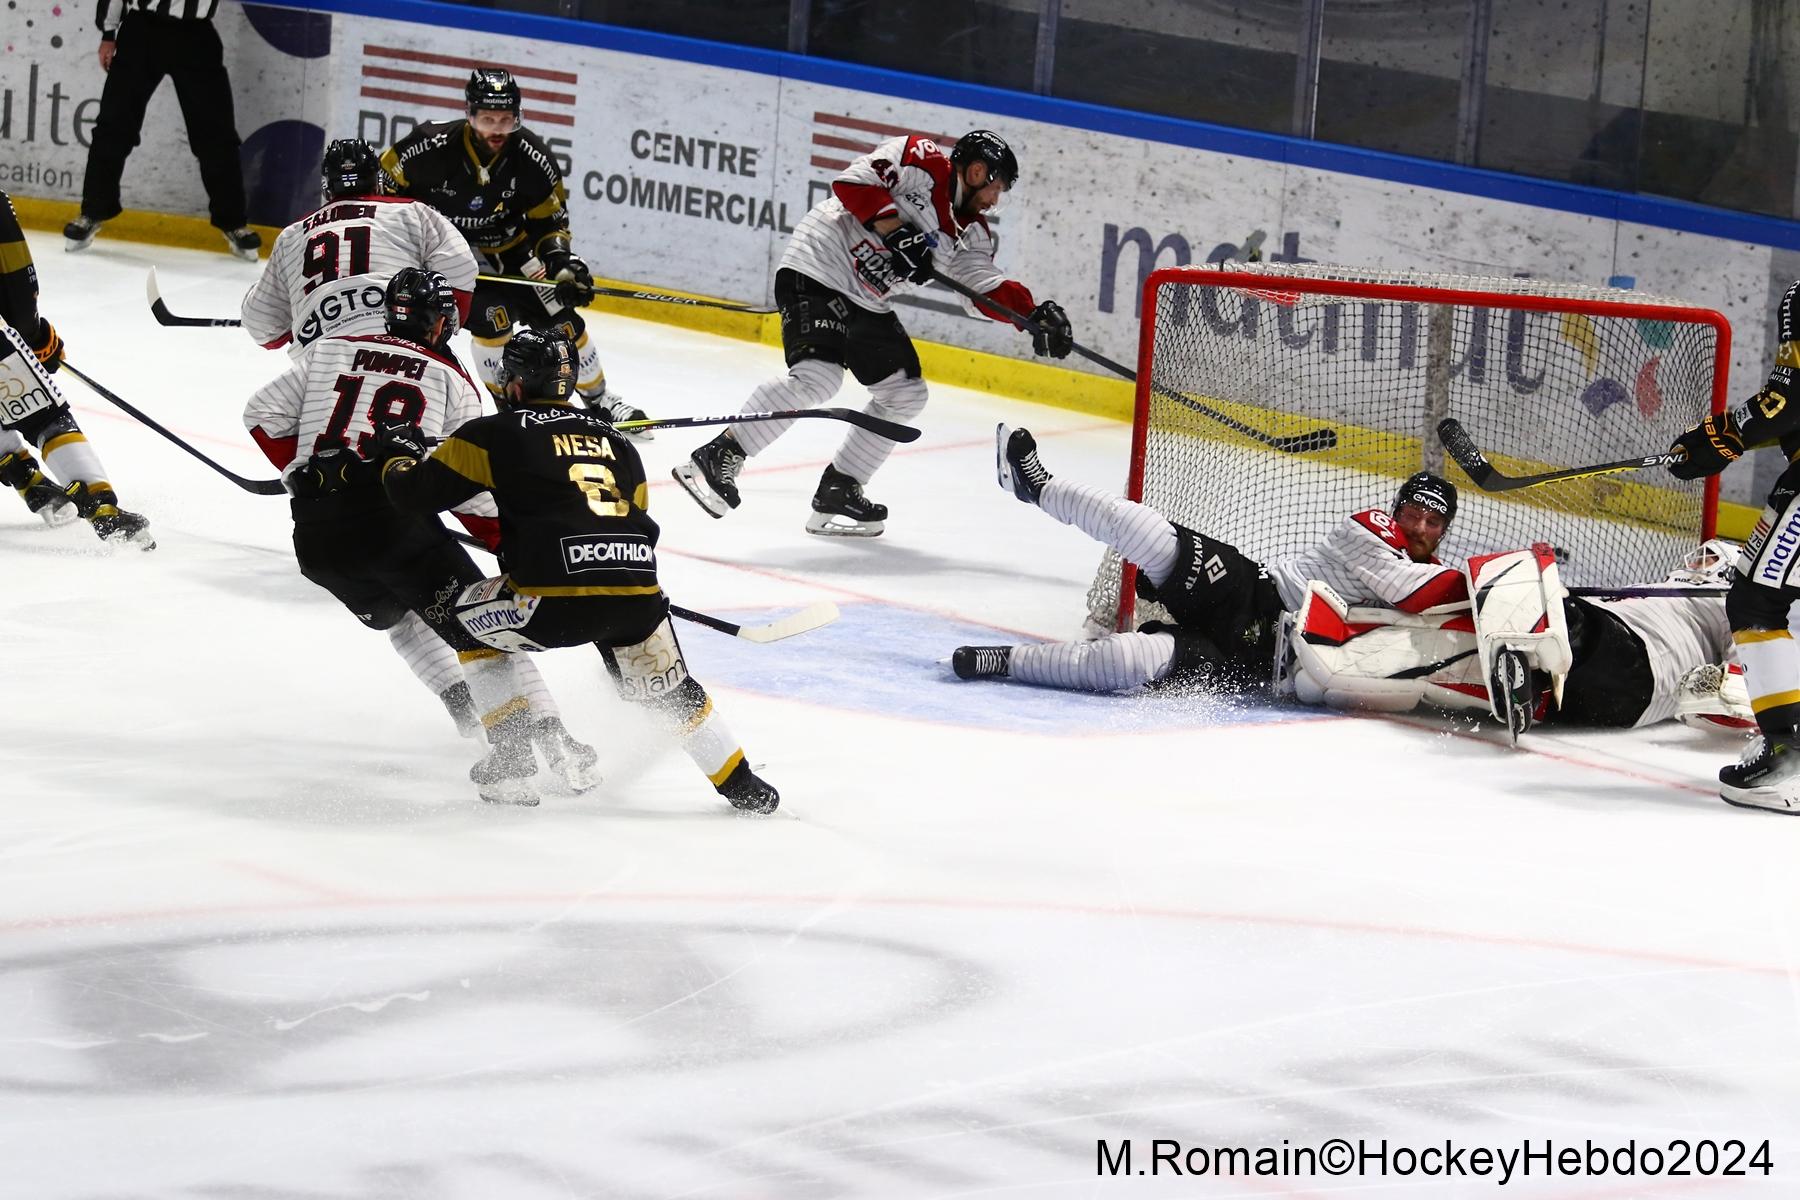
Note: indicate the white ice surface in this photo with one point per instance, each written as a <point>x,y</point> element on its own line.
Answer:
<point>258,942</point>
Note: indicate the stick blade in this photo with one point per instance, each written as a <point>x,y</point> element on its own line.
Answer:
<point>807,619</point>
<point>1463,449</point>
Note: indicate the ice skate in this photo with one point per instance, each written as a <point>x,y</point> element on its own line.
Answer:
<point>1016,463</point>
<point>747,791</point>
<point>244,242</point>
<point>841,510</point>
<point>79,233</point>
<point>20,471</point>
<point>503,776</point>
<point>569,760</point>
<point>615,408</point>
<point>461,707</point>
<point>1509,691</point>
<point>100,507</point>
<point>710,474</point>
<point>982,662</point>
<point>1767,776</point>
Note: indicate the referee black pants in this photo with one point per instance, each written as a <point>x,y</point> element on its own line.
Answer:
<point>148,48</point>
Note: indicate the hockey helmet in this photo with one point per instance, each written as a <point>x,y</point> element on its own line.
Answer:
<point>1428,491</point>
<point>492,88</point>
<point>986,146</point>
<point>349,168</point>
<point>415,299</point>
<point>1709,564</point>
<point>541,361</point>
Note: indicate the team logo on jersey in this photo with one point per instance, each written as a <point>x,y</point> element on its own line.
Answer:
<point>476,203</point>
<point>618,552</point>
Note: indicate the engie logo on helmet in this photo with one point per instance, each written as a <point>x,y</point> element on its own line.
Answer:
<point>620,552</point>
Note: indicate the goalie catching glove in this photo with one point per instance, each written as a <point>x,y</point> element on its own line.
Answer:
<point>1712,696</point>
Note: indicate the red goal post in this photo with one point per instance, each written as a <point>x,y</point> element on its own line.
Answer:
<point>1274,399</point>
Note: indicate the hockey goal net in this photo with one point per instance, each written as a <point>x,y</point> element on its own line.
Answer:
<point>1275,399</point>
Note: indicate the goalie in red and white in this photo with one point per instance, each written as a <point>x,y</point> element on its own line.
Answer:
<point>1612,662</point>
<point>1379,621</point>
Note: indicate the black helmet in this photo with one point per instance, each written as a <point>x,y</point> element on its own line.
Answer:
<point>349,168</point>
<point>415,299</point>
<point>491,87</point>
<point>1428,491</point>
<point>542,361</point>
<point>984,145</point>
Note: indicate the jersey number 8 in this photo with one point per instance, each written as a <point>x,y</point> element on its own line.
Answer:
<point>601,488</point>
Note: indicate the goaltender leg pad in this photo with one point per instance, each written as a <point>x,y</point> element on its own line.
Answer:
<point>1517,598</point>
<point>649,669</point>
<point>1382,659</point>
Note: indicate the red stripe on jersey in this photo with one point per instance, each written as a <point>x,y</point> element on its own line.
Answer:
<point>1443,588</point>
<point>485,528</point>
<point>1382,526</point>
<point>278,450</point>
<point>463,301</point>
<point>866,201</point>
<point>279,342</point>
<point>935,163</point>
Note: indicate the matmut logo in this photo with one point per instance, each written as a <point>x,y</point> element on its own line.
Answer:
<point>433,83</point>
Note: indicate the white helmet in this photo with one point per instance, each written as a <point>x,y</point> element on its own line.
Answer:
<point>1708,564</point>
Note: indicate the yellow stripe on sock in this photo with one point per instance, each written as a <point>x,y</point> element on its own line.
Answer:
<point>66,439</point>
<point>698,719</point>
<point>731,764</point>
<point>1748,637</point>
<point>511,708</point>
<point>469,656</point>
<point>1759,704</point>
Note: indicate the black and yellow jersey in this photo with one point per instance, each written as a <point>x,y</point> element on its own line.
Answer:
<point>18,277</point>
<point>516,201</point>
<point>571,493</point>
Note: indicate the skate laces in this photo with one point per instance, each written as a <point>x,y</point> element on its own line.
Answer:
<point>1027,465</point>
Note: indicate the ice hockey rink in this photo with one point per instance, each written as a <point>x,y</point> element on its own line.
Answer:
<point>260,942</point>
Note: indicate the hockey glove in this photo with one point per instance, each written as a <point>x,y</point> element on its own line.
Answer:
<point>50,351</point>
<point>909,251</point>
<point>1710,446</point>
<point>399,441</point>
<point>1053,337</point>
<point>574,282</point>
<point>332,470</point>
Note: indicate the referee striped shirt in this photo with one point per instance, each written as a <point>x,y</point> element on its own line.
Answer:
<point>112,12</point>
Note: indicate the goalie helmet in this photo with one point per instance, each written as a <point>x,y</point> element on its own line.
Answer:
<point>984,145</point>
<point>541,361</point>
<point>1428,491</point>
<point>415,299</point>
<point>349,168</point>
<point>1708,565</point>
<point>492,88</point>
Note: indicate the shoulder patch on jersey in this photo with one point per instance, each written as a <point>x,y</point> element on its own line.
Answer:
<point>1382,526</point>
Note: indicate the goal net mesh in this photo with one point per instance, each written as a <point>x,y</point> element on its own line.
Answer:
<point>1357,368</point>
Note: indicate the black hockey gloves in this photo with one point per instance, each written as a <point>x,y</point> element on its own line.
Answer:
<point>1711,446</point>
<point>49,348</point>
<point>332,470</point>
<point>1053,336</point>
<point>574,282</point>
<point>398,441</point>
<point>909,250</point>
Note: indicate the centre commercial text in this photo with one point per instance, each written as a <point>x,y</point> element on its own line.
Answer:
<point>711,204</point>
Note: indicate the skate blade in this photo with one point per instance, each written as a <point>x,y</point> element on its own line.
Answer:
<point>694,483</point>
<point>827,525</point>
<point>515,792</point>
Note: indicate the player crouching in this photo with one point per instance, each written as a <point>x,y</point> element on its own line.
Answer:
<point>580,546</point>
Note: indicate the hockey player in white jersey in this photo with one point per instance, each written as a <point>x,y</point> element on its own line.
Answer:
<point>317,422</point>
<point>1226,607</point>
<point>34,415</point>
<point>894,215</point>
<point>328,271</point>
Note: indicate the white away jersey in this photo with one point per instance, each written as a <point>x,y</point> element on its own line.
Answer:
<point>1364,560</point>
<point>1679,633</point>
<point>337,392</point>
<point>906,177</point>
<point>326,275</point>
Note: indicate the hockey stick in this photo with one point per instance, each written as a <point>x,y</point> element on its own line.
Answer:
<point>1474,463</point>
<point>1648,591</point>
<point>636,294</point>
<point>260,487</point>
<point>163,316</point>
<point>1318,439</point>
<point>892,430</point>
<point>807,619</point>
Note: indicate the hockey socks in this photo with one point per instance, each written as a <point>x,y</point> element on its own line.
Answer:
<point>1140,534</point>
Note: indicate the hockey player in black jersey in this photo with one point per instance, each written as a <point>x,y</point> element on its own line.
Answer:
<point>498,183</point>
<point>579,545</point>
<point>34,414</point>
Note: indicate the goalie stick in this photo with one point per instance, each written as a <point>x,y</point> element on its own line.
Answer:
<point>163,316</point>
<point>260,487</point>
<point>1318,439</point>
<point>1474,463</point>
<point>806,620</point>
<point>637,294</point>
